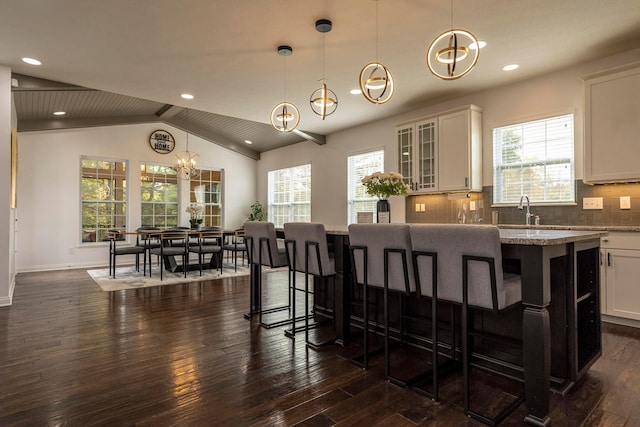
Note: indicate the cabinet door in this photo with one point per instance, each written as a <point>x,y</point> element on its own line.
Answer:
<point>427,149</point>
<point>453,151</point>
<point>612,127</point>
<point>623,289</point>
<point>406,154</point>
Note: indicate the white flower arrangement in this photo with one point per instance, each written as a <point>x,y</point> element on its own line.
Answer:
<point>196,211</point>
<point>382,185</point>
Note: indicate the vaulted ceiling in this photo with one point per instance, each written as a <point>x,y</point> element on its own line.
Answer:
<point>122,61</point>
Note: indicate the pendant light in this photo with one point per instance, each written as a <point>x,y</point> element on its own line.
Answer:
<point>450,55</point>
<point>187,163</point>
<point>376,82</point>
<point>323,100</point>
<point>285,116</point>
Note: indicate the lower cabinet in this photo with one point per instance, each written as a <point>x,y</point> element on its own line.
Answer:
<point>619,272</point>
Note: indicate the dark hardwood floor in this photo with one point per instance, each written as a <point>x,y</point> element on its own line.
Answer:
<point>183,355</point>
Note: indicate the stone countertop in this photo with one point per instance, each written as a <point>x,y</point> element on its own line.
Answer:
<point>623,228</point>
<point>539,237</point>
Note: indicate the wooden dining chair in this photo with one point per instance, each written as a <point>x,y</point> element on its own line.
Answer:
<point>118,246</point>
<point>209,242</point>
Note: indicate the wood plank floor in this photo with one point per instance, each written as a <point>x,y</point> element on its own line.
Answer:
<point>183,355</point>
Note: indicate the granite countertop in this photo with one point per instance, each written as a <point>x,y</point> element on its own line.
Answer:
<point>540,237</point>
<point>632,228</point>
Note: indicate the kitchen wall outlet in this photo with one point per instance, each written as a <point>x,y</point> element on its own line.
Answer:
<point>625,202</point>
<point>592,203</point>
<point>417,207</point>
<point>472,205</point>
<point>422,207</point>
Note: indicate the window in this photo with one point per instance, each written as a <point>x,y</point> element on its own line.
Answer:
<point>536,159</point>
<point>103,194</point>
<point>205,190</point>
<point>290,195</point>
<point>159,196</point>
<point>358,167</point>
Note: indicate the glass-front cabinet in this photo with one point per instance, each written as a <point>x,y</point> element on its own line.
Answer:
<point>417,154</point>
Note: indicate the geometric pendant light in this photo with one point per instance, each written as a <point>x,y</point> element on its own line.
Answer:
<point>285,116</point>
<point>376,82</point>
<point>323,101</point>
<point>451,56</point>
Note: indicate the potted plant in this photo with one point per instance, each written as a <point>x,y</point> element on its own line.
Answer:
<point>196,211</point>
<point>383,185</point>
<point>257,212</point>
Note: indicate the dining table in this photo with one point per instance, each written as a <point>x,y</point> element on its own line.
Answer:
<point>560,317</point>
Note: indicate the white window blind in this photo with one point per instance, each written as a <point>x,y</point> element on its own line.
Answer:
<point>534,158</point>
<point>289,194</point>
<point>359,166</point>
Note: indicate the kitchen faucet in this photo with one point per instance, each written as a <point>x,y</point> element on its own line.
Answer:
<point>520,206</point>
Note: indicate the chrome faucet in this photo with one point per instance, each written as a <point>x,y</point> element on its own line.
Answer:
<point>520,206</point>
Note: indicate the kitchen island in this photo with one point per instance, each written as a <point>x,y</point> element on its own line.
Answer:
<point>557,328</point>
<point>560,331</point>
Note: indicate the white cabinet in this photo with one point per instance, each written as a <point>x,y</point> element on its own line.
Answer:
<point>612,109</point>
<point>620,275</point>
<point>442,154</point>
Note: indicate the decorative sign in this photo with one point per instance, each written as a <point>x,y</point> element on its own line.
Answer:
<point>161,141</point>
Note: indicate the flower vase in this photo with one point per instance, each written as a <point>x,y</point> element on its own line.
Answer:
<point>383,208</point>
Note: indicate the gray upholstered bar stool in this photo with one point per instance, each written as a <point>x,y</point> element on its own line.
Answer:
<point>380,258</point>
<point>308,252</point>
<point>263,249</point>
<point>469,272</point>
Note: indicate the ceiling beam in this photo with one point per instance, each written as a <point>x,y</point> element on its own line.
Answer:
<point>313,137</point>
<point>28,83</point>
<point>57,124</point>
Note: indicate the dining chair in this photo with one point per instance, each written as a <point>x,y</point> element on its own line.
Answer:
<point>263,250</point>
<point>173,243</point>
<point>308,253</point>
<point>469,272</point>
<point>209,242</point>
<point>380,254</point>
<point>116,239</point>
<point>235,245</point>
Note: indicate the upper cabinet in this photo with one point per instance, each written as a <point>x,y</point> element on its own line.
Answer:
<point>442,154</point>
<point>612,125</point>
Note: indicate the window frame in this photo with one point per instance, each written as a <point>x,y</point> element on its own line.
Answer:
<point>352,215</point>
<point>209,207</point>
<point>291,203</point>
<point>526,166</point>
<point>98,235</point>
<point>166,204</point>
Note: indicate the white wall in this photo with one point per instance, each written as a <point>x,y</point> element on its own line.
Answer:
<point>7,259</point>
<point>557,93</point>
<point>48,213</point>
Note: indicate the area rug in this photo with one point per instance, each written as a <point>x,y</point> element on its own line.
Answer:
<point>128,278</point>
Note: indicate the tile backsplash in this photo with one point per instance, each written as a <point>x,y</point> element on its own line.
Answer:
<point>478,209</point>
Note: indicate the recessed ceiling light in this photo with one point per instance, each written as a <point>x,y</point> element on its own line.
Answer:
<point>355,91</point>
<point>187,96</point>
<point>510,67</point>
<point>59,113</point>
<point>31,61</point>
<point>248,142</point>
<point>481,43</point>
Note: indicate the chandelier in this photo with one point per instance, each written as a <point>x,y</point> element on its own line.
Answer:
<point>187,163</point>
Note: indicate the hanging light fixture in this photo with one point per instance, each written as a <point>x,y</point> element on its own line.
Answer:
<point>450,52</point>
<point>187,163</point>
<point>285,116</point>
<point>376,82</point>
<point>323,100</point>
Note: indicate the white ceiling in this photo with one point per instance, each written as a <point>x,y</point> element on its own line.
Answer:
<point>224,51</point>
